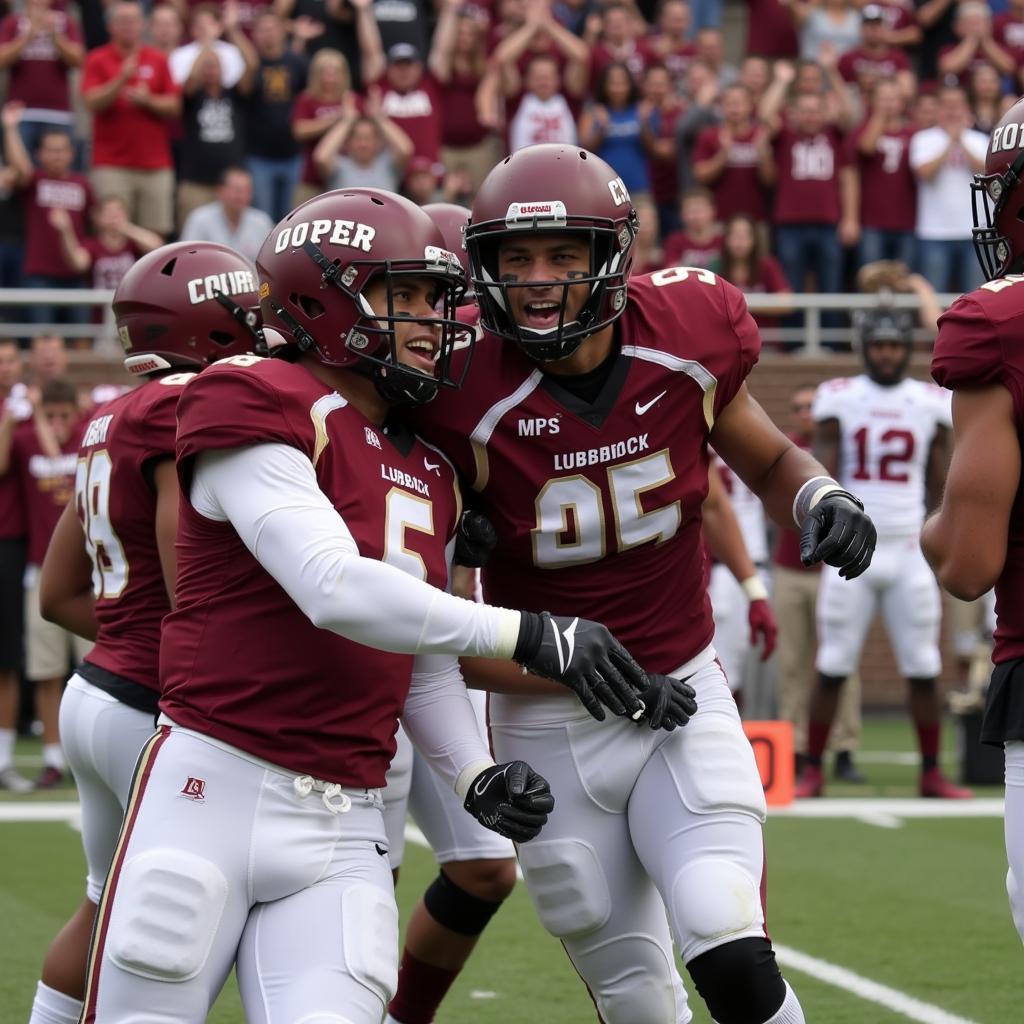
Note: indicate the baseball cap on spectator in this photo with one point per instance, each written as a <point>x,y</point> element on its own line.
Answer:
<point>403,51</point>
<point>872,12</point>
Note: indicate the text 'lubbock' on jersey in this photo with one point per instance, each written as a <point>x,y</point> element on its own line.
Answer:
<point>979,344</point>
<point>615,486</point>
<point>239,661</point>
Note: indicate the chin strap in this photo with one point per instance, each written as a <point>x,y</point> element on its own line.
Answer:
<point>303,338</point>
<point>247,319</point>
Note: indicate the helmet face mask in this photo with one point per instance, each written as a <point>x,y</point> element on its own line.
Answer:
<point>552,190</point>
<point>997,199</point>
<point>313,292</point>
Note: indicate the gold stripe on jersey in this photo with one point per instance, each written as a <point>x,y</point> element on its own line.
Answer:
<point>318,413</point>
<point>697,372</point>
<point>481,433</point>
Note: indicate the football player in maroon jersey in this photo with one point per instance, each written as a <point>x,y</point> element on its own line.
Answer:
<point>976,539</point>
<point>584,428</point>
<point>109,571</point>
<point>312,547</point>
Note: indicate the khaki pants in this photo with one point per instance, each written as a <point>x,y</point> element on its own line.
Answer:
<point>149,195</point>
<point>474,161</point>
<point>794,597</point>
<point>192,195</point>
<point>49,649</point>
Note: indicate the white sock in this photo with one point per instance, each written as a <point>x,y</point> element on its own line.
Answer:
<point>790,1012</point>
<point>1014,831</point>
<point>53,1007</point>
<point>6,748</point>
<point>53,756</point>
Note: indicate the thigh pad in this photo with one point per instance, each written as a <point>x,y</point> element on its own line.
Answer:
<point>567,884</point>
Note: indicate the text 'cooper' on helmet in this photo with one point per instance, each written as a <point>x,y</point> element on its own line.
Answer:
<point>314,268</point>
<point>187,304</point>
<point>997,198</point>
<point>556,189</point>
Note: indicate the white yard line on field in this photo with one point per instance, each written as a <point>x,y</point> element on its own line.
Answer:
<point>872,991</point>
<point>890,807</point>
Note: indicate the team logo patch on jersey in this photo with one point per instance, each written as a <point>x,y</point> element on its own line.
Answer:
<point>194,789</point>
<point>371,438</point>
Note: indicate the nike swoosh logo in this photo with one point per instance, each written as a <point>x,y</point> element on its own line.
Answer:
<point>479,790</point>
<point>641,409</point>
<point>380,849</point>
<point>436,467</point>
<point>569,633</point>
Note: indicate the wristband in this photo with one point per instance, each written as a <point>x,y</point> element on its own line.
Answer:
<point>810,494</point>
<point>468,774</point>
<point>754,588</point>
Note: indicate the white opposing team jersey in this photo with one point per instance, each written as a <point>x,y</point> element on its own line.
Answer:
<point>749,511</point>
<point>886,434</point>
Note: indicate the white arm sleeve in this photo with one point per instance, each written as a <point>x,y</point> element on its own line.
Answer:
<point>270,495</point>
<point>441,721</point>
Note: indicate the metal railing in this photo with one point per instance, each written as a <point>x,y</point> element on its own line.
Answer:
<point>812,340</point>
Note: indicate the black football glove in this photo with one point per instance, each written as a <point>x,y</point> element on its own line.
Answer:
<point>584,656</point>
<point>839,532</point>
<point>511,799</point>
<point>668,702</point>
<point>475,540</point>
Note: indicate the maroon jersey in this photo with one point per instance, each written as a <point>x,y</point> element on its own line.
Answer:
<point>770,31</point>
<point>110,265</point>
<point>597,506</point>
<point>42,243</point>
<point>888,188</point>
<point>855,64</point>
<point>238,660</point>
<point>39,77</point>
<point>417,112</point>
<point>807,191</point>
<point>116,504</point>
<point>1008,31</point>
<point>738,188</point>
<point>308,108</point>
<point>47,484</point>
<point>978,345</point>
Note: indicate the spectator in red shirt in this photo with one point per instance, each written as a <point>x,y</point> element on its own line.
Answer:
<point>1008,29</point>
<point>108,255</point>
<point>755,76</point>
<point>670,42</point>
<point>319,108</point>
<point>726,158</point>
<point>458,62</point>
<point>815,190</point>
<point>38,47</point>
<point>880,149</point>
<point>659,111</point>
<point>129,90</point>
<point>900,23</point>
<point>744,263</point>
<point>977,45</point>
<point>47,476</point>
<point>770,30</point>
<point>621,41</point>
<point>875,59</point>
<point>51,184</point>
<point>699,242</point>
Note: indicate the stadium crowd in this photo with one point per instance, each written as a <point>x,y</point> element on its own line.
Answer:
<point>848,132</point>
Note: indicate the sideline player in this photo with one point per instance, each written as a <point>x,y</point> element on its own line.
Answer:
<point>887,435</point>
<point>109,569</point>
<point>312,540</point>
<point>583,427</point>
<point>976,538</point>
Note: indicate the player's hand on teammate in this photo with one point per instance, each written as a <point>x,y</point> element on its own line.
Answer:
<point>584,656</point>
<point>511,799</point>
<point>474,540</point>
<point>668,702</point>
<point>839,532</point>
<point>763,627</point>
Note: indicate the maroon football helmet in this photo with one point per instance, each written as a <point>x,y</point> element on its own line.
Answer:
<point>315,265</point>
<point>187,304</point>
<point>998,198</point>
<point>552,188</point>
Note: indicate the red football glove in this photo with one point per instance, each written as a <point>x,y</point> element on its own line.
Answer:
<point>763,625</point>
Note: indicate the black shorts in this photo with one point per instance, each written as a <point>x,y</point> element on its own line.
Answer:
<point>1004,704</point>
<point>12,604</point>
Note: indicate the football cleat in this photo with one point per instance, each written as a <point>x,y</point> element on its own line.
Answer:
<point>49,778</point>
<point>14,782</point>
<point>811,783</point>
<point>935,784</point>
<point>844,769</point>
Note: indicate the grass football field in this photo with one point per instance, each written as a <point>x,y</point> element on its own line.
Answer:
<point>879,918</point>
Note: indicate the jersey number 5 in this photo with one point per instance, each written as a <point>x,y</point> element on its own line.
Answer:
<point>571,513</point>
<point>92,502</point>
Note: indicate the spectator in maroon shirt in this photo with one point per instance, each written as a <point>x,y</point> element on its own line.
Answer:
<point>660,109</point>
<point>670,42</point>
<point>50,184</point>
<point>38,47</point>
<point>755,76</point>
<point>1008,29</point>
<point>317,109</point>
<point>128,88</point>
<point>744,263</point>
<point>880,149</point>
<point>900,27</point>
<point>770,30</point>
<point>726,158</point>
<point>815,190</point>
<point>699,242</point>
<point>973,27</point>
<point>620,41</point>
<point>458,62</point>
<point>107,255</point>
<point>875,59</point>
